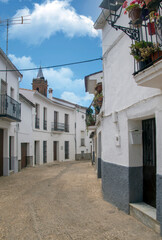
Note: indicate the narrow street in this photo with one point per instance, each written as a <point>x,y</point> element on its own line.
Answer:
<point>62,201</point>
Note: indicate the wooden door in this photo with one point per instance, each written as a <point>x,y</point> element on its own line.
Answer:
<point>55,151</point>
<point>1,152</point>
<point>149,162</point>
<point>23,155</point>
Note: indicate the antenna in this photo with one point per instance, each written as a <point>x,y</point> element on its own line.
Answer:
<point>13,21</point>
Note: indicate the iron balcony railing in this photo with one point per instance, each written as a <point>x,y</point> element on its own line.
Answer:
<point>44,125</point>
<point>36,122</point>
<point>10,108</point>
<point>56,126</point>
<point>150,32</point>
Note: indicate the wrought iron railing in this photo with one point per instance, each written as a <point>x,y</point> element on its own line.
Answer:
<point>150,33</point>
<point>36,122</point>
<point>45,125</point>
<point>56,126</point>
<point>10,108</point>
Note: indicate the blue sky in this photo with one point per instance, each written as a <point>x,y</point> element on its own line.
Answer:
<point>60,31</point>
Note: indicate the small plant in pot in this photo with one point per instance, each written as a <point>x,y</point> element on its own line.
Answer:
<point>134,10</point>
<point>142,51</point>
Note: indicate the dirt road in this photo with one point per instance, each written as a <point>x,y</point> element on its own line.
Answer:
<point>62,202</point>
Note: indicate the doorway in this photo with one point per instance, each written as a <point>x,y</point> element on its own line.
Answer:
<point>1,152</point>
<point>23,155</point>
<point>55,151</point>
<point>149,162</point>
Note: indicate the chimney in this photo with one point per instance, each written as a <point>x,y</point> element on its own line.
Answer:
<point>50,93</point>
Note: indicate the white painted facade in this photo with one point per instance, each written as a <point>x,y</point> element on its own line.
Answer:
<point>9,115</point>
<point>125,105</point>
<point>77,128</point>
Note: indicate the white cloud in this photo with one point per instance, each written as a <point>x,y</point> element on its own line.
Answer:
<point>81,100</point>
<point>60,80</point>
<point>49,18</point>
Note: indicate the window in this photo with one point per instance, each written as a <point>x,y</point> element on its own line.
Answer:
<point>82,142</point>
<point>82,139</point>
<point>44,118</point>
<point>55,120</point>
<point>66,122</point>
<point>66,150</point>
<point>36,116</point>
<point>44,151</point>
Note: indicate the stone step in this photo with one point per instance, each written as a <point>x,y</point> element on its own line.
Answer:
<point>145,214</point>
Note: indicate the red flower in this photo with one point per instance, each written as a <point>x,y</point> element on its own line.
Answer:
<point>125,4</point>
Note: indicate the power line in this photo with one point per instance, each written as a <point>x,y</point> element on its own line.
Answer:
<point>54,66</point>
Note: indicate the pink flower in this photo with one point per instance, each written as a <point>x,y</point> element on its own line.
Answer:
<point>133,2</point>
<point>125,4</point>
<point>125,12</point>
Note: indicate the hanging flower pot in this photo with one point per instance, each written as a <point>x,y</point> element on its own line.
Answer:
<point>135,15</point>
<point>151,28</point>
<point>99,87</point>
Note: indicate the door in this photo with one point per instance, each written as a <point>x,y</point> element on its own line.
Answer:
<point>1,152</point>
<point>55,120</point>
<point>149,162</point>
<point>54,151</point>
<point>23,155</point>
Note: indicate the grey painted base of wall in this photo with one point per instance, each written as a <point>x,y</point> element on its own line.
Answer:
<point>121,185</point>
<point>159,200</point>
<point>85,156</point>
<point>99,174</point>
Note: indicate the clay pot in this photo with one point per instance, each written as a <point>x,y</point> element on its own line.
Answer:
<point>156,55</point>
<point>135,15</point>
<point>151,28</point>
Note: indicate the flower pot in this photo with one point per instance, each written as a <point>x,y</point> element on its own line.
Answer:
<point>135,15</point>
<point>99,88</point>
<point>151,28</point>
<point>155,56</point>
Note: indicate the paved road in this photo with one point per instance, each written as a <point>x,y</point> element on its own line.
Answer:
<point>62,202</point>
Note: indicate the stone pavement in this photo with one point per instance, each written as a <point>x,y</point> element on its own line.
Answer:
<point>62,201</point>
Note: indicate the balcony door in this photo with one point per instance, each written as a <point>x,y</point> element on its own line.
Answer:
<point>55,120</point>
<point>1,152</point>
<point>149,162</point>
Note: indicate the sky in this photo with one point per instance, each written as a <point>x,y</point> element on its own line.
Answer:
<point>54,32</point>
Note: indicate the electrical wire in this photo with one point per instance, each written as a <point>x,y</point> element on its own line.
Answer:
<point>54,66</point>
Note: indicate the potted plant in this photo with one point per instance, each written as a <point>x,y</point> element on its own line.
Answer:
<point>142,51</point>
<point>134,10</point>
<point>90,121</point>
<point>99,87</point>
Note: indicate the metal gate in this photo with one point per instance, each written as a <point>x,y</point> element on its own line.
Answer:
<point>149,161</point>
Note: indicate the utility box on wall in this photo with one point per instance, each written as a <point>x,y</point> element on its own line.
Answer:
<point>135,136</point>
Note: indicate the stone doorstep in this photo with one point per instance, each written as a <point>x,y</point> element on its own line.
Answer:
<point>145,214</point>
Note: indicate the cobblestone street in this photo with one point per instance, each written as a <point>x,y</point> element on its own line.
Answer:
<point>62,201</point>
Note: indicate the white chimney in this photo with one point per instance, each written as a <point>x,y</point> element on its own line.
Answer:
<point>50,93</point>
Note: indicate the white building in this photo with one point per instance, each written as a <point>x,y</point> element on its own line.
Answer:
<point>10,115</point>
<point>56,129</point>
<point>130,127</point>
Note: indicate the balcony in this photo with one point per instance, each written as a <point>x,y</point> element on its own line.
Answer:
<point>59,127</point>
<point>148,53</point>
<point>9,109</point>
<point>36,122</point>
<point>90,119</point>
